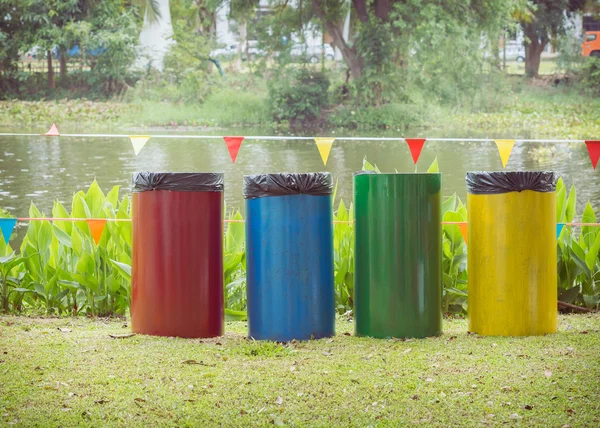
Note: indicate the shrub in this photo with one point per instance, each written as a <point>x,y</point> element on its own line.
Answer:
<point>394,115</point>
<point>589,75</point>
<point>299,100</point>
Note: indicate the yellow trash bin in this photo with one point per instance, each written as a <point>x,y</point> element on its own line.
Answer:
<point>512,253</point>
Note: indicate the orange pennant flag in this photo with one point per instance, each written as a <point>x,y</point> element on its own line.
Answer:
<point>593,147</point>
<point>464,231</point>
<point>505,149</point>
<point>96,229</point>
<point>52,132</point>
<point>415,146</point>
<point>233,145</point>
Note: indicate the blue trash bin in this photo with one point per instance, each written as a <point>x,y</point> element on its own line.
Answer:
<point>289,256</point>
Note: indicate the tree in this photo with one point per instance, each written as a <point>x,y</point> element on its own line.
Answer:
<point>401,18</point>
<point>545,19</point>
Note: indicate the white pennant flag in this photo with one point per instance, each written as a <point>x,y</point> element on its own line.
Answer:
<point>138,142</point>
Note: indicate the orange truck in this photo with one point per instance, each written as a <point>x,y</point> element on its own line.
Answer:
<point>591,44</point>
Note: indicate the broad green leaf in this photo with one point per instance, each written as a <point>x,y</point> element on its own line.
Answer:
<point>449,204</point>
<point>589,232</point>
<point>59,211</point>
<point>44,237</point>
<point>94,199</point>
<point>235,235</point>
<point>76,241</point>
<point>561,204</point>
<point>591,301</point>
<point>571,205</point>
<point>368,167</point>
<point>231,315</point>
<point>434,167</point>
<point>62,236</point>
<point>591,257</point>
<point>113,196</point>
<point>452,230</point>
<point>578,256</point>
<point>123,269</point>
<point>342,212</point>
<point>569,296</point>
<point>81,210</point>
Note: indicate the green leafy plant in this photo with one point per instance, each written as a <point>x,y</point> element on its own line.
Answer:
<point>578,254</point>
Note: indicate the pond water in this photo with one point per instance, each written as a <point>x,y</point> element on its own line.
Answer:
<point>42,169</point>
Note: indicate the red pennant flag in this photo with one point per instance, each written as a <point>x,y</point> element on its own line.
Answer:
<point>233,145</point>
<point>593,147</point>
<point>52,132</point>
<point>415,145</point>
<point>96,229</point>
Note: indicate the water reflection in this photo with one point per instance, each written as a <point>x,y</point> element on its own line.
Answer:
<point>43,169</point>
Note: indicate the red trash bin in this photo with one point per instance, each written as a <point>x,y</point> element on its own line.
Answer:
<point>177,266</point>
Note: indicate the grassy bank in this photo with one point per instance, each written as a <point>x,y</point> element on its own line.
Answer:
<point>71,372</point>
<point>528,110</point>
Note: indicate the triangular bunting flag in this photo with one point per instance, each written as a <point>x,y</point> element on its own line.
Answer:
<point>7,225</point>
<point>233,145</point>
<point>96,229</point>
<point>464,231</point>
<point>52,132</point>
<point>138,142</point>
<point>559,228</point>
<point>593,147</point>
<point>415,146</point>
<point>505,149</point>
<point>324,146</point>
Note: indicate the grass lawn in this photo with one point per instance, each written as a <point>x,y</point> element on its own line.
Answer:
<point>70,372</point>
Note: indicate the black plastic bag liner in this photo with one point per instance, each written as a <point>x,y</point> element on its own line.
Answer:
<point>489,183</point>
<point>314,183</point>
<point>178,181</point>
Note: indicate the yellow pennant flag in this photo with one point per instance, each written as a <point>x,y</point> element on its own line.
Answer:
<point>324,146</point>
<point>505,149</point>
<point>138,142</point>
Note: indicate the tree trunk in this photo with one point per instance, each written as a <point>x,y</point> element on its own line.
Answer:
<point>50,71</point>
<point>62,59</point>
<point>361,10</point>
<point>353,61</point>
<point>383,9</point>
<point>533,51</point>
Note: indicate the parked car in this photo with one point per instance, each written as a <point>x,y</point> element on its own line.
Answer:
<point>232,50</point>
<point>514,50</point>
<point>314,53</point>
<point>591,44</point>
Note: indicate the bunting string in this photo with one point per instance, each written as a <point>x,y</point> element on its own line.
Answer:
<point>290,138</point>
<point>324,144</point>
<point>96,225</point>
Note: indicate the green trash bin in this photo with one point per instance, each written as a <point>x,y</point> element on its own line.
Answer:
<point>398,255</point>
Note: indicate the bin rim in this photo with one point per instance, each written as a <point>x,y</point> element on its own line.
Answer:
<point>145,181</point>
<point>287,183</point>
<point>356,174</point>
<point>498,182</point>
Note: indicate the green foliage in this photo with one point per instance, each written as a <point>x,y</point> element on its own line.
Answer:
<point>393,115</point>
<point>343,249</point>
<point>299,100</point>
<point>589,75</point>
<point>187,73</point>
<point>578,253</point>
<point>234,263</point>
<point>62,271</point>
